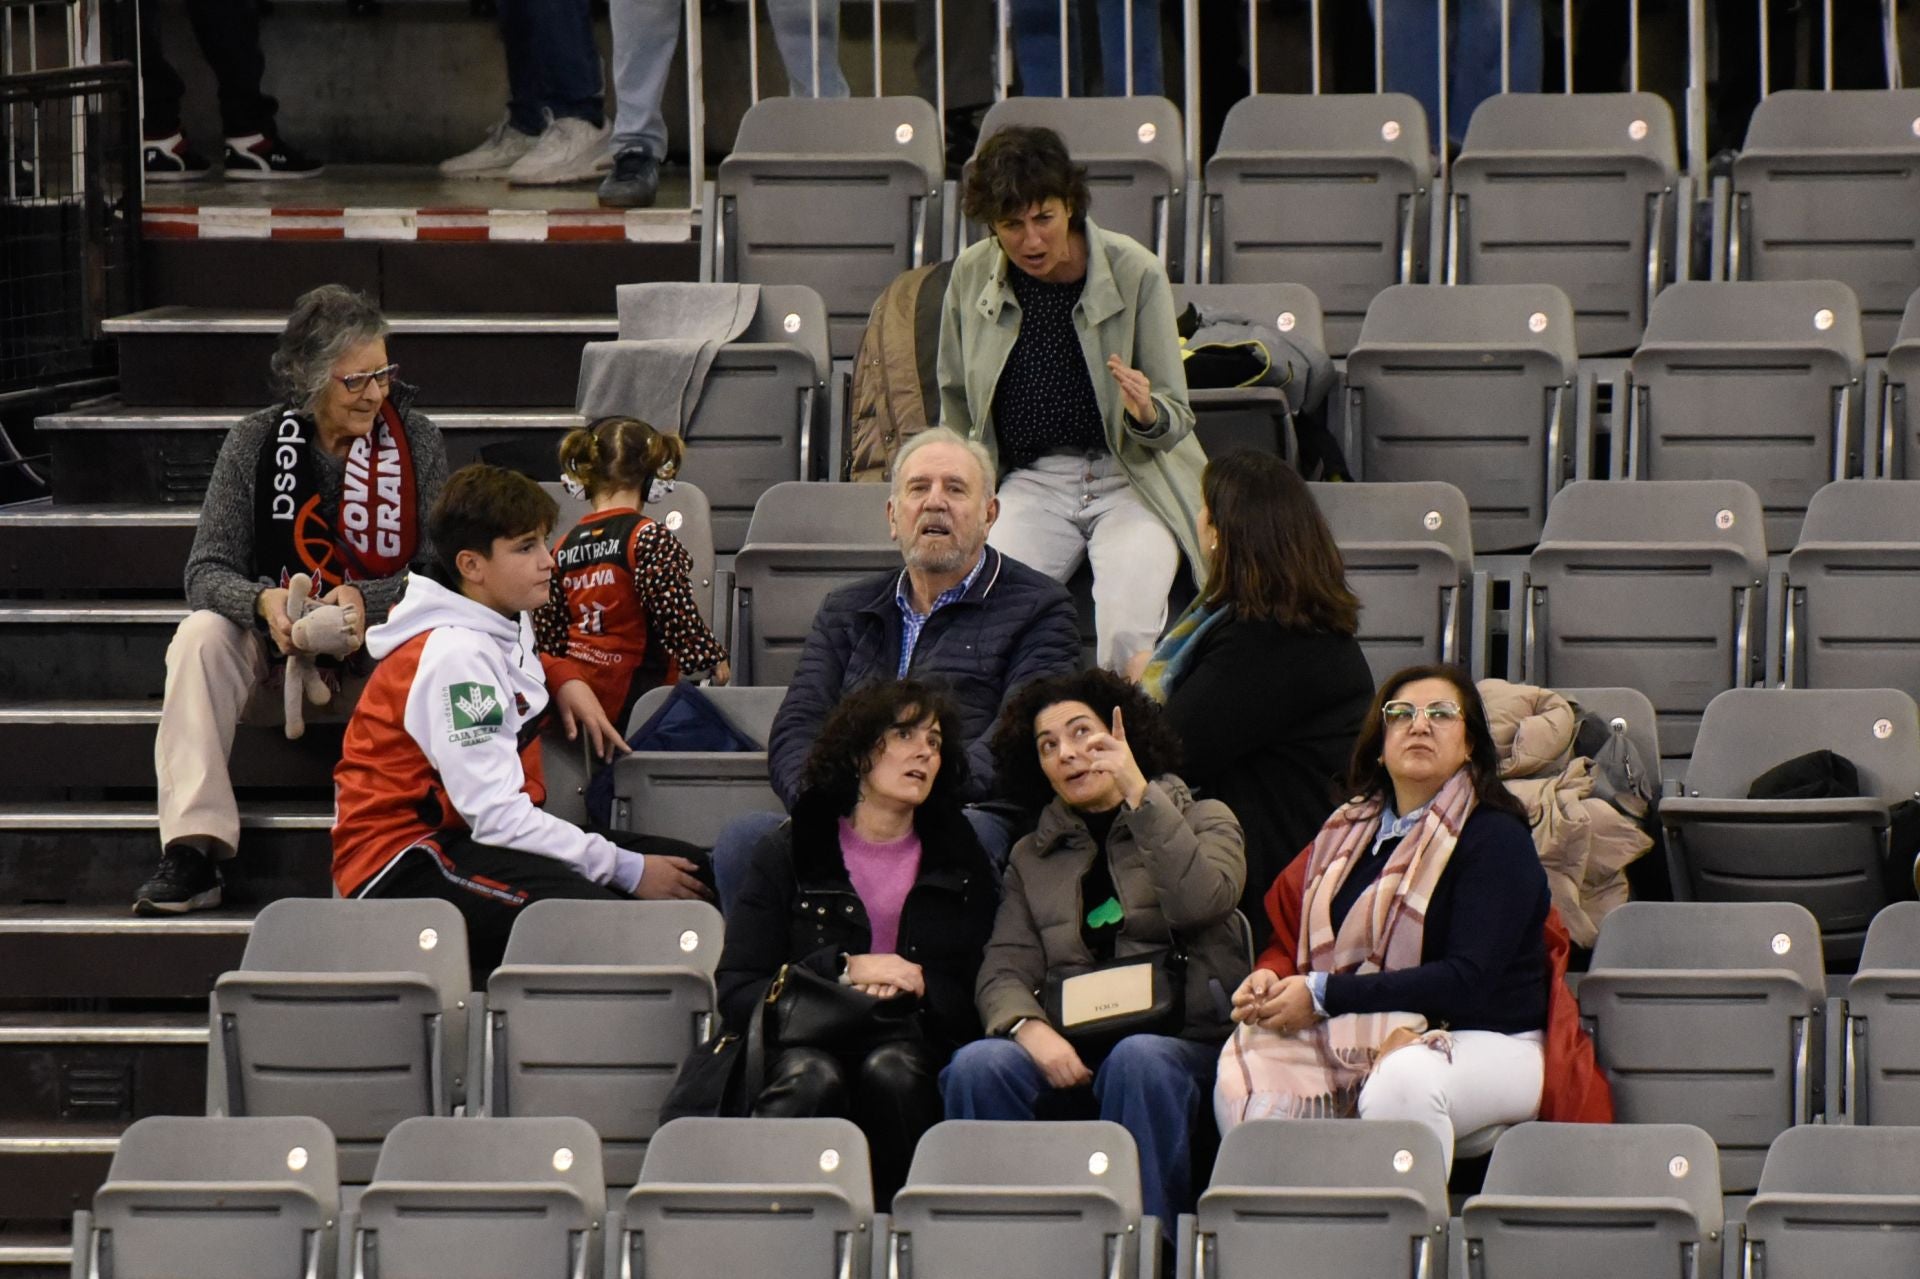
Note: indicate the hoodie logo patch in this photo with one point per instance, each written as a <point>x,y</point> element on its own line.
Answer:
<point>475,711</point>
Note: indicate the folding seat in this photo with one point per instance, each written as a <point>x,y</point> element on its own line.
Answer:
<point>684,509</point>
<point>1023,1201</point>
<point>1881,1046</point>
<point>1826,188</point>
<point>1658,586</point>
<point>1754,382</point>
<point>839,194</point>
<point>1473,386</point>
<point>806,541</point>
<point>1325,190</point>
<point>1596,1201</point>
<point>483,1199</point>
<point>1338,1199</point>
<point>1575,191</point>
<point>1135,158</point>
<point>1229,419</point>
<point>355,1012</point>
<point>1711,1013</point>
<point>216,1199</point>
<point>1836,1200</point>
<point>1853,589</point>
<point>1896,445</point>
<point>594,1008</point>
<point>789,1197</point>
<point>1829,855</point>
<point>692,795</point>
<point>763,408</point>
<point>1408,550</point>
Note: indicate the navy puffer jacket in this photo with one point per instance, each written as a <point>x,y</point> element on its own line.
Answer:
<point>1013,626</point>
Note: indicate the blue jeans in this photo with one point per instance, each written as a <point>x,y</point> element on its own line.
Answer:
<point>1151,1085</point>
<point>647,32</point>
<point>1473,67</point>
<point>1036,46</point>
<point>553,64</point>
<point>734,849</point>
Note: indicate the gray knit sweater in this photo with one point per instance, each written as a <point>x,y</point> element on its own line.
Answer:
<point>220,567</point>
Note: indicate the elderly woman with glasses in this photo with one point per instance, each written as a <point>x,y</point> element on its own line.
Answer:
<point>323,496</point>
<point>1409,976</point>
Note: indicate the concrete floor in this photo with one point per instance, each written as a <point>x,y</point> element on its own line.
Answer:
<point>407,186</point>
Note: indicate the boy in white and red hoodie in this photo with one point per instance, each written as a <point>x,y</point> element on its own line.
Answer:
<point>439,786</point>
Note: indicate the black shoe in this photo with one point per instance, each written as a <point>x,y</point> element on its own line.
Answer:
<point>265,157</point>
<point>186,880</point>
<point>634,182</point>
<point>170,159</point>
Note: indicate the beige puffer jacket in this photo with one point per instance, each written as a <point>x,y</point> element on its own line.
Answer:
<point>1585,843</point>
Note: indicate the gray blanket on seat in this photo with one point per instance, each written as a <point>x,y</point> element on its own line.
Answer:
<point>668,335</point>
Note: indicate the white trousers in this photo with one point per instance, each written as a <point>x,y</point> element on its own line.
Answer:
<point>1066,508</point>
<point>1492,1079</point>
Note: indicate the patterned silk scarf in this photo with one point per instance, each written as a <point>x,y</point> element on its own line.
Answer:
<point>1317,1072</point>
<point>1174,655</point>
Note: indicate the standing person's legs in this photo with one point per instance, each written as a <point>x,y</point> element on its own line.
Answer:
<point>1038,507</point>
<point>161,87</point>
<point>733,851</point>
<point>229,36</point>
<point>213,668</point>
<point>1134,558</point>
<point>1487,1079</point>
<point>646,34</point>
<point>1036,45</point>
<point>1148,78</point>
<point>1410,31</point>
<point>1475,65</point>
<point>791,22</point>
<point>969,35</point>
<point>567,61</point>
<point>1152,1086</point>
<point>991,1079</point>
<point>896,1100</point>
<point>526,102</point>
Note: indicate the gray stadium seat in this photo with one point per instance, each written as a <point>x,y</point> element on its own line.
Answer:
<point>1473,386</point>
<point>1753,382</point>
<point>1625,710</point>
<point>591,1013</point>
<point>1658,586</point>
<point>1024,1200</point>
<point>484,1199</point>
<point>789,1197</point>
<point>806,541</point>
<point>763,411</point>
<point>1898,444</point>
<point>839,194</point>
<point>1827,188</point>
<point>1881,1047</point>
<point>1829,855</point>
<point>216,1199</point>
<point>1711,1013</point>
<point>1336,1198</point>
<point>1408,550</point>
<point>1596,1201</point>
<point>354,1012</point>
<point>692,795</point>
<point>685,511</point>
<point>1572,190</point>
<point>1836,1200</point>
<point>1229,419</point>
<point>1329,191</point>
<point>1853,589</point>
<point>1135,157</point>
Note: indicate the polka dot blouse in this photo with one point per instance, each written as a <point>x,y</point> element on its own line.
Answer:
<point>1044,402</point>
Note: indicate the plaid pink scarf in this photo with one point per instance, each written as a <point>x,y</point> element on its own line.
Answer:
<point>1317,1072</point>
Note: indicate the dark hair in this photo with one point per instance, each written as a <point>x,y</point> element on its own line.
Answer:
<point>843,752</point>
<point>1018,167</point>
<point>1367,776</point>
<point>1156,748</point>
<point>614,453</point>
<point>481,503</point>
<point>1275,559</point>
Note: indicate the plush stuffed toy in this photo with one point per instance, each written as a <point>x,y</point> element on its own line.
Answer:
<point>318,630</point>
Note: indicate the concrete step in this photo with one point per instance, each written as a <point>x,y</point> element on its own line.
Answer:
<point>187,356</point>
<point>81,853</point>
<point>60,1068</point>
<point>41,740</point>
<point>106,953</point>
<point>119,548</point>
<point>113,453</point>
<point>108,649</point>
<point>52,1170</point>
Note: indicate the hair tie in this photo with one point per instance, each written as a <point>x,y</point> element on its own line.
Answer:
<point>658,490</point>
<point>575,489</point>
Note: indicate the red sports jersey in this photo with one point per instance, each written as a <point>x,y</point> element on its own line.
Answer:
<point>607,623</point>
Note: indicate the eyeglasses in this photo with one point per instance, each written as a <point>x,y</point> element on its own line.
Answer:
<point>1400,714</point>
<point>357,382</point>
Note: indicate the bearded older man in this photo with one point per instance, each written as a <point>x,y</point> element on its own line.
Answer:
<point>960,615</point>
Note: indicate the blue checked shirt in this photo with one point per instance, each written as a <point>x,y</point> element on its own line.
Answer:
<point>912,623</point>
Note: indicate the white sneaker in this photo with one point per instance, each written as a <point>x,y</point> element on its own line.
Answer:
<point>504,145</point>
<point>570,150</point>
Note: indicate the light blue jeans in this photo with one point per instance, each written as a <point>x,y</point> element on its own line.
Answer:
<point>646,34</point>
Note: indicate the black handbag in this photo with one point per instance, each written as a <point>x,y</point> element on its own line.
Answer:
<point>1096,1007</point>
<point>805,1010</point>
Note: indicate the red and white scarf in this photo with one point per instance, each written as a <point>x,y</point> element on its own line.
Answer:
<point>376,527</point>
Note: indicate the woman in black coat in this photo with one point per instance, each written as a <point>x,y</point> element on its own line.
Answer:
<point>876,881</point>
<point>1262,678</point>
